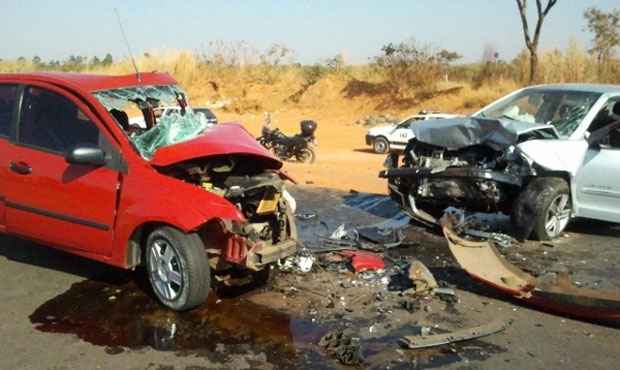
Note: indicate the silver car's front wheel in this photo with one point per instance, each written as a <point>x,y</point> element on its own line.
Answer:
<point>543,209</point>
<point>557,216</point>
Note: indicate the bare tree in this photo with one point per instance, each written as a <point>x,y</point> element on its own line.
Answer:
<point>531,42</point>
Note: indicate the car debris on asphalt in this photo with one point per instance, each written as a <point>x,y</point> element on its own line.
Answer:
<point>554,292</point>
<point>432,340</point>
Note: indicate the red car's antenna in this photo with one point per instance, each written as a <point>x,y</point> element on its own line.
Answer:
<point>133,60</point>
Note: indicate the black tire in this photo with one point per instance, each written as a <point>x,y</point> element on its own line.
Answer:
<point>189,263</point>
<point>532,209</point>
<point>306,155</point>
<point>265,143</point>
<point>381,145</point>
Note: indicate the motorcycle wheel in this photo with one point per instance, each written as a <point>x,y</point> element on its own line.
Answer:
<point>265,143</point>
<point>305,155</point>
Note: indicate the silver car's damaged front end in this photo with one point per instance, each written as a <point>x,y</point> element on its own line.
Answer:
<point>472,164</point>
<point>476,179</point>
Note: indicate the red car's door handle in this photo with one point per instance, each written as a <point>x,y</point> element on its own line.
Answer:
<point>21,168</point>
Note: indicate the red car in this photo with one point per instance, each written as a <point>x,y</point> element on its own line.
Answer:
<point>183,197</point>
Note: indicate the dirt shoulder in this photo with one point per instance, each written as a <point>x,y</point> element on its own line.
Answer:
<point>343,161</point>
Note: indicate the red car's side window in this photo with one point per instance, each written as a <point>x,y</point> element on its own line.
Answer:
<point>8,97</point>
<point>53,122</point>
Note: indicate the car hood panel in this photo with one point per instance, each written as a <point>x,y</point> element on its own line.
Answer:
<point>457,133</point>
<point>381,130</point>
<point>556,155</point>
<point>223,139</point>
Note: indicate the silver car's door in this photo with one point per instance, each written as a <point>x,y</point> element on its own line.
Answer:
<point>598,179</point>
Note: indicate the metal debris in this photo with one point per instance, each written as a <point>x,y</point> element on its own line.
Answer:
<point>428,340</point>
<point>305,216</point>
<point>386,237</point>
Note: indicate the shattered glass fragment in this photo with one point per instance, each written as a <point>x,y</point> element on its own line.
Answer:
<point>170,129</point>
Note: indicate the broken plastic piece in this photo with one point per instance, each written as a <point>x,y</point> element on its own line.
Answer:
<point>483,262</point>
<point>421,277</point>
<point>299,263</point>
<point>342,233</point>
<point>425,341</point>
<point>364,261</point>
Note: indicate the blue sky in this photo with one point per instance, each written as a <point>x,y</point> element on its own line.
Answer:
<point>314,29</point>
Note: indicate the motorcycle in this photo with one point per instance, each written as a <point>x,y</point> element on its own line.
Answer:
<point>286,147</point>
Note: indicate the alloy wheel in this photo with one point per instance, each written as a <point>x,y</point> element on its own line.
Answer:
<point>165,270</point>
<point>558,215</point>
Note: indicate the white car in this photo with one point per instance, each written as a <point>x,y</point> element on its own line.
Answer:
<point>544,154</point>
<point>395,137</point>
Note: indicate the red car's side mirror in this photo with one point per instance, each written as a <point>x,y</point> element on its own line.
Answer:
<point>86,155</point>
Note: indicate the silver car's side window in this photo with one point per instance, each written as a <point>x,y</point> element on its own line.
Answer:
<point>605,116</point>
<point>605,128</point>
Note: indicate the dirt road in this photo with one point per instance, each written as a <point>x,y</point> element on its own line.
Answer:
<point>343,160</point>
<point>105,320</point>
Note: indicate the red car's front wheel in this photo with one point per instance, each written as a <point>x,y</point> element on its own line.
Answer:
<point>178,268</point>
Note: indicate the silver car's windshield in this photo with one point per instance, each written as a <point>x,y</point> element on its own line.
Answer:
<point>562,109</point>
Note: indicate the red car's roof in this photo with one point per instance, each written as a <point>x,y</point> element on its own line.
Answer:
<point>93,82</point>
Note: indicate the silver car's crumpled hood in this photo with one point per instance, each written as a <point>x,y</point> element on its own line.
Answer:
<point>457,133</point>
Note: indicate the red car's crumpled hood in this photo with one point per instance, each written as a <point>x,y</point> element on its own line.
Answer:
<point>222,139</point>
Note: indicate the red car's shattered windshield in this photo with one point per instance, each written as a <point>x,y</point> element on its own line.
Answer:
<point>165,130</point>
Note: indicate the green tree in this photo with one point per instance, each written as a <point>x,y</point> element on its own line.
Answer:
<point>107,60</point>
<point>531,41</point>
<point>408,65</point>
<point>95,61</point>
<point>606,29</point>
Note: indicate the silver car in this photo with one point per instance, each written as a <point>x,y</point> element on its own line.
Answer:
<point>543,154</point>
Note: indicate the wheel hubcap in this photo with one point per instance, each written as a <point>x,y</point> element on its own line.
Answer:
<point>380,146</point>
<point>165,269</point>
<point>558,215</point>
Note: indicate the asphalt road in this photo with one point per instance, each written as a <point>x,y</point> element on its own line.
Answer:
<point>33,275</point>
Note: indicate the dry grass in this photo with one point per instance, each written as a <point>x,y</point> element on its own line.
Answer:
<point>270,85</point>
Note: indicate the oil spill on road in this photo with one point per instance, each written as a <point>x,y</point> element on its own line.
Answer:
<point>118,314</point>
